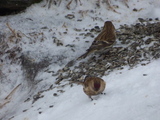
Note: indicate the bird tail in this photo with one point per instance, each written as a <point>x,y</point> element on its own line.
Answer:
<point>77,82</point>
<point>89,51</point>
<point>83,56</point>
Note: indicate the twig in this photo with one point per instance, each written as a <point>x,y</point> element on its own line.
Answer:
<point>24,35</point>
<point>1,106</point>
<point>59,2</point>
<point>49,4</point>
<point>80,2</point>
<point>12,30</point>
<point>68,5</point>
<point>12,92</point>
<point>110,7</point>
<point>125,1</point>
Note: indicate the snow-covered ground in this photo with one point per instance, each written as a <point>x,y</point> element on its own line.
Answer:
<point>131,94</point>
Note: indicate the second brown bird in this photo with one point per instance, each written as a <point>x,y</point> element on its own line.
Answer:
<point>103,41</point>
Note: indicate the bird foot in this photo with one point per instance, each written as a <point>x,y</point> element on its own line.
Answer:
<point>103,93</point>
<point>90,98</point>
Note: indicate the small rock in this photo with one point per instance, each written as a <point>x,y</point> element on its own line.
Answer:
<point>51,106</point>
<point>61,91</point>
<point>55,94</point>
<point>88,34</point>
<point>64,32</point>
<point>25,110</point>
<point>157,19</point>
<point>78,30</point>
<point>135,10</point>
<point>44,27</point>
<point>144,74</point>
<point>40,112</point>
<point>97,29</point>
<point>141,20</point>
<point>70,16</point>
<point>28,99</point>
<point>79,20</point>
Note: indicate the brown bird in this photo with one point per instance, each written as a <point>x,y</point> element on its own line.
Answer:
<point>93,86</point>
<point>103,41</point>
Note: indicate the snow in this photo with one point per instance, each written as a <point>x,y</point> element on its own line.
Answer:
<point>131,94</point>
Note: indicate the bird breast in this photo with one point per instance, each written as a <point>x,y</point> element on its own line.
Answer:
<point>94,86</point>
